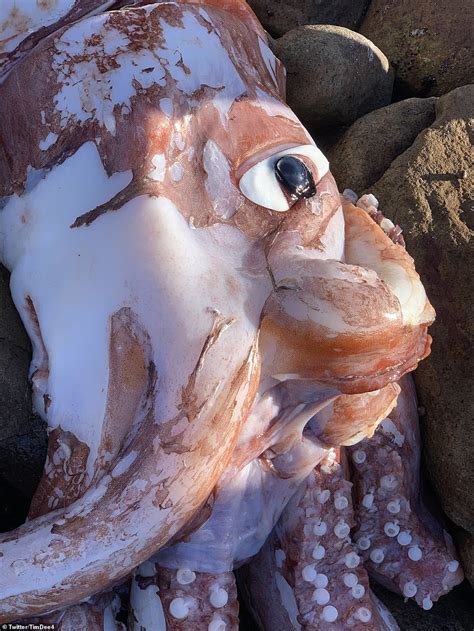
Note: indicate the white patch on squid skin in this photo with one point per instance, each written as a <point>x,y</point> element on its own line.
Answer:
<point>166,106</point>
<point>20,18</point>
<point>110,614</point>
<point>178,140</point>
<point>87,93</point>
<point>332,240</point>
<point>176,171</point>
<point>48,142</point>
<point>158,172</point>
<point>389,427</point>
<point>238,527</point>
<point>222,191</point>
<point>274,107</point>
<point>146,606</point>
<point>280,557</point>
<point>269,59</point>
<point>206,58</point>
<point>123,464</point>
<point>126,257</point>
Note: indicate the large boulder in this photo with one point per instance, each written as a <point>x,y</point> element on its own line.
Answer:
<point>280,16</point>
<point>429,44</point>
<point>15,355</point>
<point>465,544</point>
<point>334,75</point>
<point>368,147</point>
<point>22,436</point>
<point>428,191</point>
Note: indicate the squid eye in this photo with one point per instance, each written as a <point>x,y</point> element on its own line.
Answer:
<point>282,179</point>
<point>295,177</point>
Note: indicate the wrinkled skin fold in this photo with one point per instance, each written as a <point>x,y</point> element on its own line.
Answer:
<point>194,352</point>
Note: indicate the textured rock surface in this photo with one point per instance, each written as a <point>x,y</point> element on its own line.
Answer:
<point>368,147</point>
<point>430,45</point>
<point>453,612</point>
<point>14,364</point>
<point>465,547</point>
<point>334,75</point>
<point>22,437</point>
<point>280,16</point>
<point>427,191</point>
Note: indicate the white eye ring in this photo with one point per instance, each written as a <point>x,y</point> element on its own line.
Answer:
<point>260,184</point>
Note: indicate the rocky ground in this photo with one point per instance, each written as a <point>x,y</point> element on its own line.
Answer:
<point>384,87</point>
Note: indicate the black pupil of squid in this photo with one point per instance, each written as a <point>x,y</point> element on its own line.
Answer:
<point>295,177</point>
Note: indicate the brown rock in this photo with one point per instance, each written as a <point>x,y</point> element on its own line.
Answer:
<point>334,75</point>
<point>22,436</point>
<point>465,545</point>
<point>368,147</point>
<point>429,44</point>
<point>15,407</point>
<point>280,16</point>
<point>427,190</point>
<point>453,612</point>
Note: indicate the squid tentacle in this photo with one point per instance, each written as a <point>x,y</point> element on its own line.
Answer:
<point>173,600</point>
<point>316,576</point>
<point>403,545</point>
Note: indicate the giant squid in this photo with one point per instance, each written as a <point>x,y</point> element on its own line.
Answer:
<point>219,338</point>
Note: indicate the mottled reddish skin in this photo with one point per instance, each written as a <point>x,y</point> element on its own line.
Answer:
<point>290,550</point>
<point>17,19</point>
<point>373,359</point>
<point>202,611</point>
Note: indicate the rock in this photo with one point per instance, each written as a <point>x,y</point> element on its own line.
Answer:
<point>15,356</point>
<point>22,436</point>
<point>368,147</point>
<point>280,16</point>
<point>453,612</point>
<point>334,75</point>
<point>465,545</point>
<point>427,191</point>
<point>429,44</point>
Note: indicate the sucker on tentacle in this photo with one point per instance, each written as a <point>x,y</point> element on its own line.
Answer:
<point>163,599</point>
<point>315,567</point>
<point>402,545</point>
<point>370,204</point>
